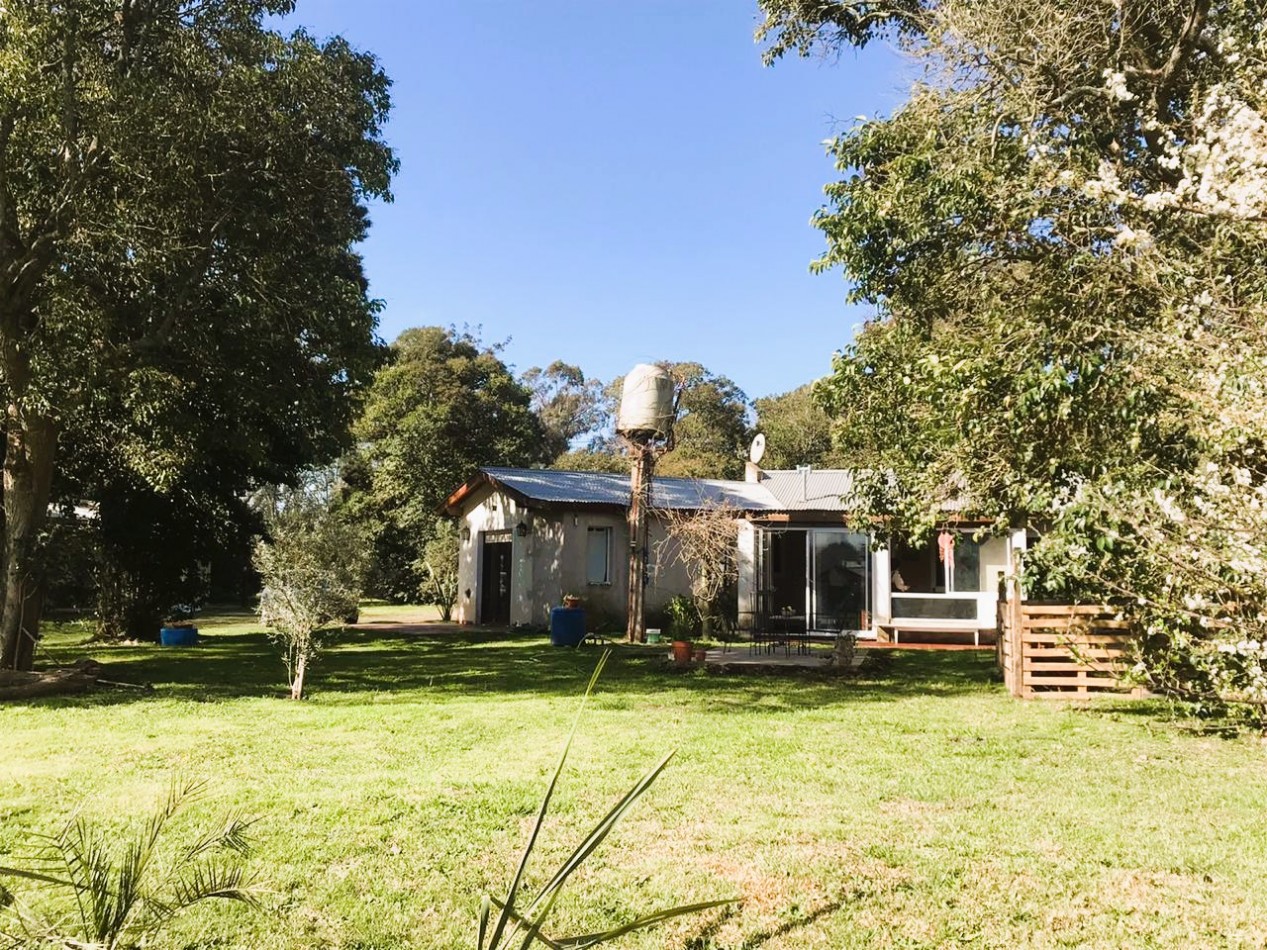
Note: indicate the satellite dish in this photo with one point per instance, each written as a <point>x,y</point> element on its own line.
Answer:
<point>757,451</point>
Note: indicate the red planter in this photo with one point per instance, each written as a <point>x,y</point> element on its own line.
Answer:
<point>681,651</point>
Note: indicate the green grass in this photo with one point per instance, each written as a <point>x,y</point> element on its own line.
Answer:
<point>918,807</point>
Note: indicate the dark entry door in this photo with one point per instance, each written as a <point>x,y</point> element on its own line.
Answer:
<point>495,584</point>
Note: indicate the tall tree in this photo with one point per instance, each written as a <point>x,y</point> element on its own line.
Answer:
<point>1062,230</point>
<point>445,405</point>
<point>179,192</point>
<point>797,430</point>
<point>570,406</point>
<point>712,430</point>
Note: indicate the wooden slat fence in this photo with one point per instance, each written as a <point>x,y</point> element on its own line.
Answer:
<point>1063,651</point>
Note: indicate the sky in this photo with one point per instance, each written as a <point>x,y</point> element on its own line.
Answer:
<point>609,182</point>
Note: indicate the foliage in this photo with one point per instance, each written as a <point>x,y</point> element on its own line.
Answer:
<point>111,896</point>
<point>1062,229</point>
<point>312,565</point>
<point>439,568</point>
<point>180,192</point>
<point>155,549</point>
<point>592,460</point>
<point>570,407</point>
<point>797,431</point>
<point>682,617</point>
<point>711,434</point>
<point>807,27</point>
<point>512,923</point>
<point>705,543</point>
<point>445,405</point>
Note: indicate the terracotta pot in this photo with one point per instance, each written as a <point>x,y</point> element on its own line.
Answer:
<point>700,656</point>
<point>681,651</point>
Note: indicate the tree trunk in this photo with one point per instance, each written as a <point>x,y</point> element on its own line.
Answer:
<point>297,684</point>
<point>31,444</point>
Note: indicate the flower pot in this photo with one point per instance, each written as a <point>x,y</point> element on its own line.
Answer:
<point>681,651</point>
<point>700,655</point>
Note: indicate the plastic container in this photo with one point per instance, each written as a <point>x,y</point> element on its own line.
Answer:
<point>653,634</point>
<point>178,636</point>
<point>567,626</point>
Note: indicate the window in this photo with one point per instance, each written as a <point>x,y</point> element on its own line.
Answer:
<point>598,555</point>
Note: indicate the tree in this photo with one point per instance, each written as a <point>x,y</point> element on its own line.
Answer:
<point>1062,231</point>
<point>180,189</point>
<point>593,460</point>
<point>439,568</point>
<point>569,406</point>
<point>712,433</point>
<point>312,565</point>
<point>704,542</point>
<point>444,406</point>
<point>797,430</point>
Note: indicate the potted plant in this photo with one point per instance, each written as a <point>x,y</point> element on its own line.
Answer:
<point>178,629</point>
<point>571,601</point>
<point>682,617</point>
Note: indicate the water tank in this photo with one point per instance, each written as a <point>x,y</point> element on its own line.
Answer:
<point>567,626</point>
<point>646,402</point>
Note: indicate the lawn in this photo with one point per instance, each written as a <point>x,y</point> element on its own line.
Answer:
<point>917,806</point>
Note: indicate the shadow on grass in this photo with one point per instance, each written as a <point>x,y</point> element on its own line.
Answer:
<point>399,664</point>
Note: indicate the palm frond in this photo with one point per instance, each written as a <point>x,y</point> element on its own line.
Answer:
<point>231,837</point>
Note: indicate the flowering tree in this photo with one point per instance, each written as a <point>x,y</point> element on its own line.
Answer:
<point>1062,231</point>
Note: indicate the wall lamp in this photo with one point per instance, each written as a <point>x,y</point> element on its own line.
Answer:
<point>465,533</point>
<point>522,529</point>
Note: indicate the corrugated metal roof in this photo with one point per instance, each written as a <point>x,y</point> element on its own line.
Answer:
<point>603,488</point>
<point>811,489</point>
<point>784,490</point>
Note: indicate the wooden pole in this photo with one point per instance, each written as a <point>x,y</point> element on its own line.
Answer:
<point>640,500</point>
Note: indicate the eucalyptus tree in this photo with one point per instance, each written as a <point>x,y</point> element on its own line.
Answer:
<point>570,405</point>
<point>1062,231</point>
<point>797,430</point>
<point>180,191</point>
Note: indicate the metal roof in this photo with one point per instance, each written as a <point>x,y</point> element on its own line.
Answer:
<point>809,489</point>
<point>603,488</point>
<point>781,490</point>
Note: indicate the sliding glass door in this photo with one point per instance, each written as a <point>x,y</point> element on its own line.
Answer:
<point>839,581</point>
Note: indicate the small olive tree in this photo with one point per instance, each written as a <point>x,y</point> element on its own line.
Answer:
<point>438,567</point>
<point>312,564</point>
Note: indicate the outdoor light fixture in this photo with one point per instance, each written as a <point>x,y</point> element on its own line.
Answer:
<point>522,529</point>
<point>466,533</point>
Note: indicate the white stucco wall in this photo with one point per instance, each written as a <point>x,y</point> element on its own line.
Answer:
<point>550,561</point>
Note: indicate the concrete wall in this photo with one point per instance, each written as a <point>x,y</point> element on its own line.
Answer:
<point>550,561</point>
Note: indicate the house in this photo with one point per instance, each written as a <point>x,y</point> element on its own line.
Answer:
<point>530,535</point>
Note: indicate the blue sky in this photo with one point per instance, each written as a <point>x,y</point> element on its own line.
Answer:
<point>609,182</point>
